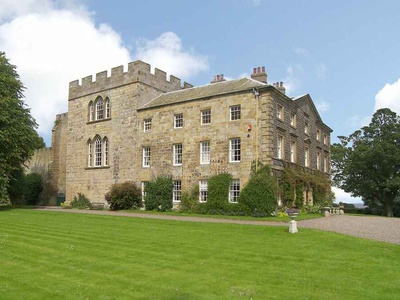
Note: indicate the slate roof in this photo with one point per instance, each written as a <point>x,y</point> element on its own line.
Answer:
<point>209,90</point>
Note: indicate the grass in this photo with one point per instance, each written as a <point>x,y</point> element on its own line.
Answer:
<point>57,255</point>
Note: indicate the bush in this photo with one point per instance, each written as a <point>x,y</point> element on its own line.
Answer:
<point>80,202</point>
<point>124,195</point>
<point>17,188</point>
<point>259,195</point>
<point>159,194</point>
<point>34,186</point>
<point>218,188</point>
<point>190,201</point>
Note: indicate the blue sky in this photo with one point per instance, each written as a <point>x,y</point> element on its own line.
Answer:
<point>345,54</point>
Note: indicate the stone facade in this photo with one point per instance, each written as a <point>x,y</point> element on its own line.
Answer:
<point>133,134</point>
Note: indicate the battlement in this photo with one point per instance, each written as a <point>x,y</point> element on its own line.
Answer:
<point>61,116</point>
<point>138,71</point>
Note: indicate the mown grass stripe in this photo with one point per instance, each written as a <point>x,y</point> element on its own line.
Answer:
<point>128,258</point>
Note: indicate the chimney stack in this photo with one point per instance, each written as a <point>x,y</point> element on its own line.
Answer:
<point>279,86</point>
<point>259,74</point>
<point>218,78</point>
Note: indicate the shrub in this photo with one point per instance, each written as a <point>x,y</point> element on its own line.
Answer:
<point>17,188</point>
<point>80,202</point>
<point>34,186</point>
<point>190,201</point>
<point>124,195</point>
<point>218,188</point>
<point>259,195</point>
<point>159,194</point>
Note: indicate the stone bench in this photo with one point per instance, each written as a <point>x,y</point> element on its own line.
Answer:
<point>97,205</point>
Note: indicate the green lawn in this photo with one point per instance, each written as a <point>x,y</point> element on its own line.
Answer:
<point>57,255</point>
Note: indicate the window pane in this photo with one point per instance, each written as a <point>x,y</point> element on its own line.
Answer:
<point>234,190</point>
<point>234,150</point>
<point>205,152</point>
<point>177,191</point>
<point>203,190</point>
<point>206,116</point>
<point>177,154</point>
<point>178,121</point>
<point>146,157</point>
<point>108,108</point>
<point>106,151</point>
<point>147,125</point>
<point>97,152</point>
<point>99,109</point>
<point>235,112</point>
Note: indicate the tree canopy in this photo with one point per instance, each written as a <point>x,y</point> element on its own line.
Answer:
<point>17,127</point>
<point>367,163</point>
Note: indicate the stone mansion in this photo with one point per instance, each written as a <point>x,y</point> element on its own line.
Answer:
<point>136,125</point>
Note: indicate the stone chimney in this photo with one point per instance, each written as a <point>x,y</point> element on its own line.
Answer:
<point>279,86</point>
<point>259,74</point>
<point>218,78</point>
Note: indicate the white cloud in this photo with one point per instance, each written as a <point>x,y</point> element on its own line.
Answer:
<point>292,81</point>
<point>53,46</point>
<point>342,196</point>
<point>322,106</point>
<point>302,52</point>
<point>53,42</point>
<point>167,53</point>
<point>389,97</point>
<point>321,70</point>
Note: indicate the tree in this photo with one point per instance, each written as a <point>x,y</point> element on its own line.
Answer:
<point>367,163</point>
<point>17,127</point>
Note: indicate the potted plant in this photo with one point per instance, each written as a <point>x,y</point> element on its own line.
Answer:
<point>292,212</point>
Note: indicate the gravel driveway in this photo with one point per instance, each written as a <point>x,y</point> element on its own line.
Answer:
<point>369,227</point>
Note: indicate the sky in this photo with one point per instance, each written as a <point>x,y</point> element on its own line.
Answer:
<point>344,53</point>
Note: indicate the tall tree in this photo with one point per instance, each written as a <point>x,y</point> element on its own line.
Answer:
<point>367,163</point>
<point>18,136</point>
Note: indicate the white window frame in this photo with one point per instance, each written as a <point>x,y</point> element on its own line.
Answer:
<point>106,146</point>
<point>306,128</point>
<point>293,120</point>
<point>293,151</point>
<point>203,191</point>
<point>205,117</point>
<point>177,191</point>
<point>318,135</point>
<point>234,150</point>
<point>146,157</point>
<point>178,120</point>
<point>177,154</point>
<point>326,164</point>
<point>307,156</point>
<point>91,111</point>
<point>144,183</point>
<point>280,112</point>
<point>89,153</point>
<point>99,109</point>
<point>97,152</point>
<point>205,152</point>
<point>318,161</point>
<point>280,145</point>
<point>325,139</point>
<point>146,125</point>
<point>235,112</point>
<point>107,108</point>
<point>234,191</point>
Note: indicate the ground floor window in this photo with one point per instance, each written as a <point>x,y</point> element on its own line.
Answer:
<point>203,190</point>
<point>177,192</point>
<point>234,190</point>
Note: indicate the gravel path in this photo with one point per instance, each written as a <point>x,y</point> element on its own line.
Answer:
<point>369,227</point>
